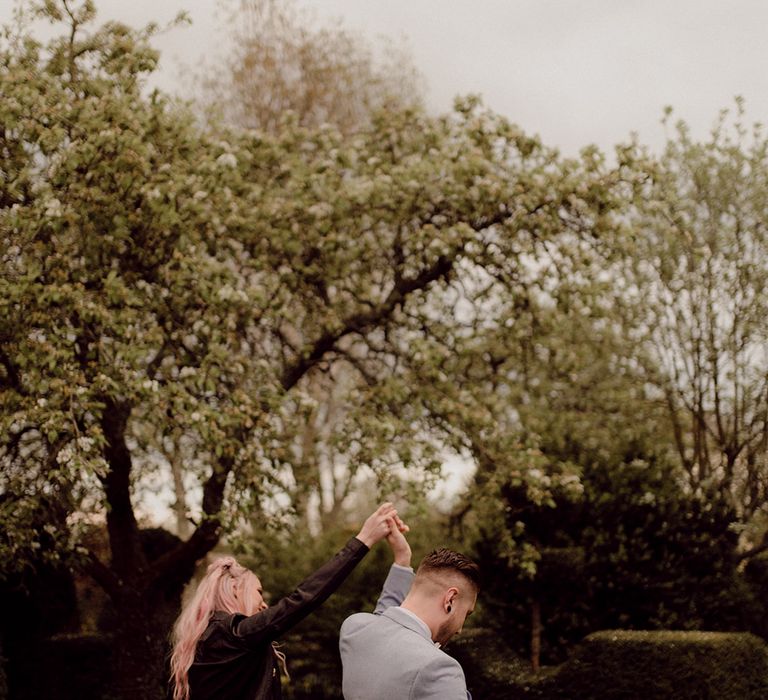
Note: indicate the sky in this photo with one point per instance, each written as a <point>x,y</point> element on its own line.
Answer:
<point>574,72</point>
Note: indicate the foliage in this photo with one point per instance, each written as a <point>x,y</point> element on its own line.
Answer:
<point>634,553</point>
<point>74,667</point>
<point>155,274</point>
<point>635,385</point>
<point>620,664</point>
<point>184,298</point>
<point>756,577</point>
<point>160,279</point>
<point>660,558</point>
<point>279,60</point>
<point>693,279</point>
<point>492,669</point>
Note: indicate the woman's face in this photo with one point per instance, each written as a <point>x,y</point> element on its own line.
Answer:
<point>257,596</point>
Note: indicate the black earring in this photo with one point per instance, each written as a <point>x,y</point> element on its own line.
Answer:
<point>449,608</point>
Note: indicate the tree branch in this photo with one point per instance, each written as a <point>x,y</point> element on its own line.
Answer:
<point>364,321</point>
<point>752,552</point>
<point>100,573</point>
<point>174,566</point>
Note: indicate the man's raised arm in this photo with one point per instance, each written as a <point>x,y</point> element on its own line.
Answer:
<point>400,577</point>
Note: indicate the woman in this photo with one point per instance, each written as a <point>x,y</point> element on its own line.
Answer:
<point>223,641</point>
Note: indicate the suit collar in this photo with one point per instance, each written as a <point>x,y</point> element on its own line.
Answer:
<point>409,620</point>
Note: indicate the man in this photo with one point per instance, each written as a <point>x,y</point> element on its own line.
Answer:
<point>395,653</point>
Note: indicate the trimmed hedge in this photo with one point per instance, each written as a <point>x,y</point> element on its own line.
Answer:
<point>492,669</point>
<point>622,665</point>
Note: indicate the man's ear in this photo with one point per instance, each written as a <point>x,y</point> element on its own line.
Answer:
<point>449,598</point>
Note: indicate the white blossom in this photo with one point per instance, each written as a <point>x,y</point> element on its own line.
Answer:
<point>320,210</point>
<point>53,208</point>
<point>227,160</point>
<point>225,293</point>
<point>85,443</point>
<point>66,454</point>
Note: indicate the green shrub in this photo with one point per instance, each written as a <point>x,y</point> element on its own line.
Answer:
<point>613,665</point>
<point>492,669</point>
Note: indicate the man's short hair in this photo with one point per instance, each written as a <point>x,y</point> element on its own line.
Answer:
<point>447,561</point>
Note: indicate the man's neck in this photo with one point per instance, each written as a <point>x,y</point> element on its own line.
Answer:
<point>418,611</point>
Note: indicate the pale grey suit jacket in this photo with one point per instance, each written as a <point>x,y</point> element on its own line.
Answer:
<point>389,655</point>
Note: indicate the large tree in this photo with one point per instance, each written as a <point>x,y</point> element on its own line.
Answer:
<point>694,279</point>
<point>161,280</point>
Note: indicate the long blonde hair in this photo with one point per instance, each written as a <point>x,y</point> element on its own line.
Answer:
<point>226,586</point>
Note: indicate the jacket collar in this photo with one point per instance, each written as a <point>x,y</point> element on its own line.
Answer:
<point>408,620</point>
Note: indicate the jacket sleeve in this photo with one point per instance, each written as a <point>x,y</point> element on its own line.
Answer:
<point>269,624</point>
<point>396,587</point>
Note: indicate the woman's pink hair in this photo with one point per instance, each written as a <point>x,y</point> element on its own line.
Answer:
<point>226,586</point>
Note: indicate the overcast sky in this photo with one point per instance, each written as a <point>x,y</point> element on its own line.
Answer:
<point>573,71</point>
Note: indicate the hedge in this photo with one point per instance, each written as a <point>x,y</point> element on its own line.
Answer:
<point>622,665</point>
<point>492,669</point>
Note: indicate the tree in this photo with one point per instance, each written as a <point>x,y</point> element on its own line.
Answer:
<point>278,60</point>
<point>634,552</point>
<point>568,403</point>
<point>161,278</point>
<point>695,280</point>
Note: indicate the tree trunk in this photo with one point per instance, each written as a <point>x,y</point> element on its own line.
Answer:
<point>145,576</point>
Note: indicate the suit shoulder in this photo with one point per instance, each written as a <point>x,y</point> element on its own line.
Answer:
<point>358,619</point>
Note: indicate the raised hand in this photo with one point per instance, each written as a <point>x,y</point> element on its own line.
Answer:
<point>377,525</point>
<point>401,550</point>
